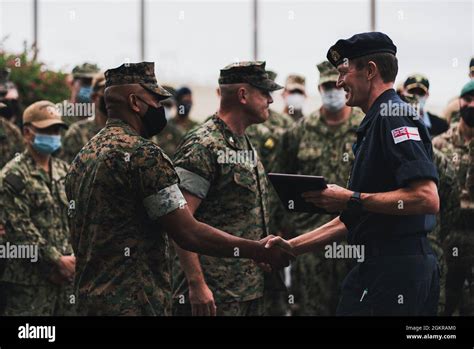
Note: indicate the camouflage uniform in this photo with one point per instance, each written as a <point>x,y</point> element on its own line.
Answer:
<point>172,135</point>
<point>34,212</point>
<point>81,131</point>
<point>312,147</point>
<point>234,200</point>
<point>85,71</point>
<point>110,180</point>
<point>11,141</point>
<point>449,191</point>
<point>470,172</point>
<point>76,137</point>
<point>459,243</point>
<point>119,184</point>
<point>266,136</point>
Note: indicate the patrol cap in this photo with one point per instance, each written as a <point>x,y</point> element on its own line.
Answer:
<point>417,81</point>
<point>468,89</point>
<point>43,114</point>
<point>142,73</point>
<point>272,75</point>
<point>295,82</point>
<point>170,89</point>
<point>360,45</point>
<point>85,70</point>
<point>327,73</point>
<point>249,72</point>
<point>98,81</point>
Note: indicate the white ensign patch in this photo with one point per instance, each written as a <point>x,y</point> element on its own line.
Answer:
<point>405,133</point>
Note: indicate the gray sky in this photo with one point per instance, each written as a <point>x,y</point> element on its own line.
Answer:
<point>192,40</point>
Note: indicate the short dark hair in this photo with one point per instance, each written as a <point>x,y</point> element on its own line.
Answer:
<point>387,64</point>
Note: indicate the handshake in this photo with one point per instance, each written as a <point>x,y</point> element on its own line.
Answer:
<point>274,253</point>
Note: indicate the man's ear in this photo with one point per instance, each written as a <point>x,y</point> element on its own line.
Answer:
<point>133,103</point>
<point>371,70</point>
<point>242,95</point>
<point>27,133</point>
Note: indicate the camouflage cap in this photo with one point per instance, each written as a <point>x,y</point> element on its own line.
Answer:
<point>417,81</point>
<point>98,81</point>
<point>86,70</point>
<point>327,72</point>
<point>272,75</point>
<point>142,73</point>
<point>250,72</point>
<point>43,114</point>
<point>170,89</point>
<point>295,82</point>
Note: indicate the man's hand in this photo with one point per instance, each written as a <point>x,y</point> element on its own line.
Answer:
<point>278,241</point>
<point>276,257</point>
<point>202,300</point>
<point>67,267</point>
<point>333,199</point>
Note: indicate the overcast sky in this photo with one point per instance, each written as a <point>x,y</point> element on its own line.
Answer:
<point>192,40</point>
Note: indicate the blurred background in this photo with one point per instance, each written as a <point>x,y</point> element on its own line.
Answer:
<point>191,40</point>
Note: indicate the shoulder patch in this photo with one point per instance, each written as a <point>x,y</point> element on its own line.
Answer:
<point>15,182</point>
<point>405,133</point>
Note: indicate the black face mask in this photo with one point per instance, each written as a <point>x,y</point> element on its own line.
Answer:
<point>154,120</point>
<point>467,114</point>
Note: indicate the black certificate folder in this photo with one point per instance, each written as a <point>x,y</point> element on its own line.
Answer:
<point>289,188</point>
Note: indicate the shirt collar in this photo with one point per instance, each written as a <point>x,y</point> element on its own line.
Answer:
<point>375,109</point>
<point>233,140</point>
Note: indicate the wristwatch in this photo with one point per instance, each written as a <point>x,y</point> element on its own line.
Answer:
<point>355,203</point>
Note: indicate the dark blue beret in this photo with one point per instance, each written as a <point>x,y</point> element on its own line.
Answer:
<point>359,45</point>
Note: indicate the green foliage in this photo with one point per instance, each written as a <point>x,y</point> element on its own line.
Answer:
<point>33,79</point>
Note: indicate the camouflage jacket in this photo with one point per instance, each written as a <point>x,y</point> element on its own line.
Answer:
<point>11,141</point>
<point>449,191</point>
<point>266,137</point>
<point>311,147</point>
<point>119,184</point>
<point>470,172</point>
<point>172,135</point>
<point>234,199</point>
<point>33,209</point>
<point>76,137</point>
<point>453,146</point>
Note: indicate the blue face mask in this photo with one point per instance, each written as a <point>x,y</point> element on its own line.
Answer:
<point>47,144</point>
<point>84,94</point>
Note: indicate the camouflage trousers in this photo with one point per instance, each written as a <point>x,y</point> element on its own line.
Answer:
<point>459,250</point>
<point>254,307</point>
<point>443,270</point>
<point>50,300</point>
<point>316,284</point>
